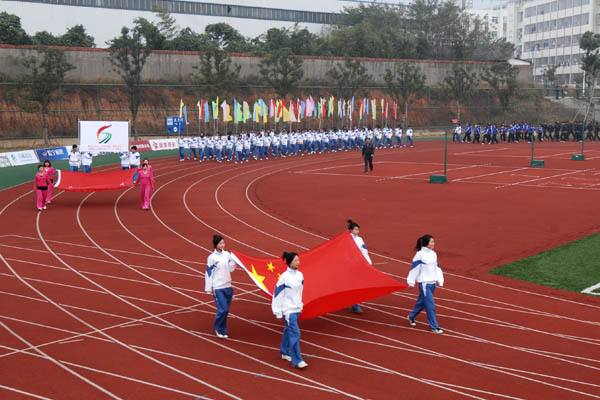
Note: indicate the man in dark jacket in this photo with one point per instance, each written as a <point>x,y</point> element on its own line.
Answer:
<point>367,152</point>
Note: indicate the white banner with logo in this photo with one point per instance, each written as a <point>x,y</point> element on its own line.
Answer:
<point>21,157</point>
<point>4,160</point>
<point>104,136</point>
<point>163,144</point>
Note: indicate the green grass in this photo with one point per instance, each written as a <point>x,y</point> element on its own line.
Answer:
<point>573,266</point>
<point>11,176</point>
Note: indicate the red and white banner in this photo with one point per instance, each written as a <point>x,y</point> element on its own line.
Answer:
<point>142,145</point>
<point>163,144</point>
<point>336,276</point>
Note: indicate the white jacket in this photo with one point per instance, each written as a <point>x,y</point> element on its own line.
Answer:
<point>362,247</point>
<point>219,267</point>
<point>86,158</point>
<point>74,159</point>
<point>124,156</point>
<point>134,159</point>
<point>287,296</point>
<point>425,269</point>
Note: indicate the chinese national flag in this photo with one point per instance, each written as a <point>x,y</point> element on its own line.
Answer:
<point>336,276</point>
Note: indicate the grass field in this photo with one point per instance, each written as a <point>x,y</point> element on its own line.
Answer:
<point>574,266</point>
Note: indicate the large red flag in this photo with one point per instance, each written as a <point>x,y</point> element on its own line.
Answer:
<point>336,275</point>
<point>105,180</point>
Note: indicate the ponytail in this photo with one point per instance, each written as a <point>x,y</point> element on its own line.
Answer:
<point>352,225</point>
<point>288,257</point>
<point>423,241</point>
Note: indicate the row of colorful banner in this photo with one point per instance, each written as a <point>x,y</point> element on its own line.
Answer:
<point>288,111</point>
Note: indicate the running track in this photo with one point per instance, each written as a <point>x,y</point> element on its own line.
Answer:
<point>101,300</point>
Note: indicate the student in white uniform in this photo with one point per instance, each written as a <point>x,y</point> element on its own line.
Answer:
<point>287,303</point>
<point>219,266</point>
<point>354,229</point>
<point>425,272</point>
<point>124,156</point>
<point>409,137</point>
<point>181,145</point>
<point>86,161</point>
<point>74,159</point>
<point>134,158</point>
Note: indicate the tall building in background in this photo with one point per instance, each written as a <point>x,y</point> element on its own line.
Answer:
<point>550,35</point>
<point>547,33</point>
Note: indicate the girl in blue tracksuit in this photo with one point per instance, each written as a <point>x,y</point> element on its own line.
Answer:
<point>425,272</point>
<point>287,303</point>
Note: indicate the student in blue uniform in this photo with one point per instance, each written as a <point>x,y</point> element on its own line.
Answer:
<point>219,266</point>
<point>425,272</point>
<point>287,304</point>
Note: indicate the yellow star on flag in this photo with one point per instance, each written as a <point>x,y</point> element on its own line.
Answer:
<point>258,279</point>
<point>271,267</point>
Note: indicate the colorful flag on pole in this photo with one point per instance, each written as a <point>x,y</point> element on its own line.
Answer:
<point>180,108</point>
<point>206,111</point>
<point>374,108</point>
<point>246,112</point>
<point>215,108</point>
<point>226,111</point>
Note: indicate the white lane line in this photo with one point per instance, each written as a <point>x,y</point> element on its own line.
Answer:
<point>492,173</point>
<point>15,390</point>
<point>541,179</point>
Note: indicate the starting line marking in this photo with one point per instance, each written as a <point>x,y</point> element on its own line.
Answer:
<point>592,290</point>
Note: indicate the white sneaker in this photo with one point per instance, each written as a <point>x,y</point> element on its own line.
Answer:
<point>437,331</point>
<point>302,365</point>
<point>411,321</point>
<point>221,336</point>
<point>286,357</point>
<point>44,207</point>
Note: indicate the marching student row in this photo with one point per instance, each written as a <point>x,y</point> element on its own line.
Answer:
<point>515,132</point>
<point>287,303</point>
<point>262,145</point>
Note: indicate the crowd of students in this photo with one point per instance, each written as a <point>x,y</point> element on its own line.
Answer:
<point>243,147</point>
<point>513,133</point>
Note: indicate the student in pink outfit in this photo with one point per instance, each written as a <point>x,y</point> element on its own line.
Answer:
<point>40,185</point>
<point>51,172</point>
<point>147,162</point>
<point>146,181</point>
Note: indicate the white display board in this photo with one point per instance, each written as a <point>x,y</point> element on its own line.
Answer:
<point>104,136</point>
<point>21,157</point>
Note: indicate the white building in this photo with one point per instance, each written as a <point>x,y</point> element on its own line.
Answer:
<point>103,19</point>
<point>548,34</point>
<point>495,18</point>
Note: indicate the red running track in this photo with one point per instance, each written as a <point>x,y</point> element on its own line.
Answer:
<point>101,300</point>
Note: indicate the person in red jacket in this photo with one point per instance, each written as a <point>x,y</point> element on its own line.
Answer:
<point>41,182</point>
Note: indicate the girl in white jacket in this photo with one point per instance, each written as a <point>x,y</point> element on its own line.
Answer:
<point>354,229</point>
<point>287,302</point>
<point>425,271</point>
<point>219,266</point>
